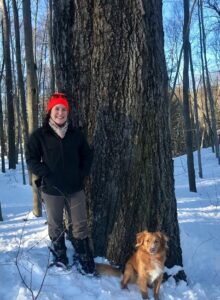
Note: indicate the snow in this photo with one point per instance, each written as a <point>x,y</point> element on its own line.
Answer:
<point>24,241</point>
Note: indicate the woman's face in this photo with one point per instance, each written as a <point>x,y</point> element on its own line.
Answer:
<point>59,114</point>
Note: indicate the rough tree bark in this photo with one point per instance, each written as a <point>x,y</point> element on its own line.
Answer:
<point>111,61</point>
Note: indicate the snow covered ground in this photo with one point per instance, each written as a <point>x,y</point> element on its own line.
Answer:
<point>24,239</point>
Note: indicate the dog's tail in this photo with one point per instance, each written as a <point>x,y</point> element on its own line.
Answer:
<point>104,269</point>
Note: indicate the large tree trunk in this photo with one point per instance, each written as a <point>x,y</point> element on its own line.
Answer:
<point>114,66</point>
<point>9,88</point>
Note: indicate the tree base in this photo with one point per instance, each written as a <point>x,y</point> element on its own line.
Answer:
<point>179,276</point>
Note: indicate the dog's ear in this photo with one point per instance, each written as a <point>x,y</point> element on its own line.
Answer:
<point>164,239</point>
<point>139,238</point>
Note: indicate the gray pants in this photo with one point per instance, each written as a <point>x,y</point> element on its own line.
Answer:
<point>76,207</point>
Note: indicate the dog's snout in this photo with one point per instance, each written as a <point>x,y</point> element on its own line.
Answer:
<point>153,249</point>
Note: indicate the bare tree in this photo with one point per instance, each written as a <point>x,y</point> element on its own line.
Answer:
<point>187,29</point>
<point>42,61</point>
<point>2,135</point>
<point>186,104</point>
<point>1,217</point>
<point>195,101</point>
<point>206,115</point>
<point>20,72</point>
<point>36,2</point>
<point>215,5</point>
<point>32,92</point>
<point>9,88</point>
<point>208,83</point>
<point>50,38</point>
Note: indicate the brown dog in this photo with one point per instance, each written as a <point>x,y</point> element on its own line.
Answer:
<point>147,263</point>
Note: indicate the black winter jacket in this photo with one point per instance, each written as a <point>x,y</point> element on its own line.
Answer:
<point>62,164</point>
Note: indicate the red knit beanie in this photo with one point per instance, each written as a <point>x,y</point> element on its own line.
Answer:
<point>57,98</point>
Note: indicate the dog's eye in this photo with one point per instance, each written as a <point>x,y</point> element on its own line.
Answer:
<point>156,241</point>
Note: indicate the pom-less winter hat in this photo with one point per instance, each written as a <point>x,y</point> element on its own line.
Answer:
<point>57,98</point>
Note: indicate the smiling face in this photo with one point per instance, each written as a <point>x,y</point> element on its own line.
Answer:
<point>59,114</point>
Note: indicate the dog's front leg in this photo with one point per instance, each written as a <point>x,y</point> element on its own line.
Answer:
<point>142,282</point>
<point>157,284</point>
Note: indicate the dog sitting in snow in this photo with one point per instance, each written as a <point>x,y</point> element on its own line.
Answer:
<point>145,266</point>
<point>147,263</point>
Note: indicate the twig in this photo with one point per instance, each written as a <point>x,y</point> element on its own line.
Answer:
<point>17,264</point>
<point>45,274</point>
<point>29,287</point>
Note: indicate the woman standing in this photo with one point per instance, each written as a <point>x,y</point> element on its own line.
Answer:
<point>60,156</point>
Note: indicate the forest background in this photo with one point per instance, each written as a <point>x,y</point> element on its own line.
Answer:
<point>31,69</point>
<point>205,48</point>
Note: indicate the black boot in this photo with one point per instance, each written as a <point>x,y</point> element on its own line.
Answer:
<point>84,255</point>
<point>59,253</point>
